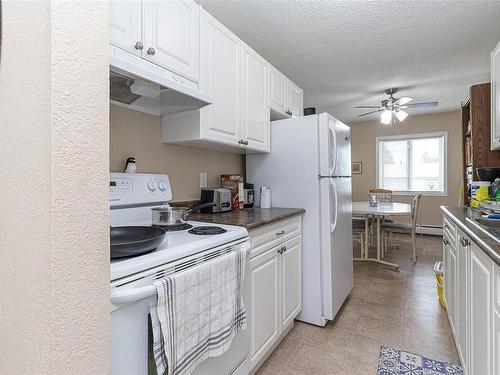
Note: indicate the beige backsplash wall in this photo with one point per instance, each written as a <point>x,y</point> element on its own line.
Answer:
<point>364,150</point>
<point>138,134</point>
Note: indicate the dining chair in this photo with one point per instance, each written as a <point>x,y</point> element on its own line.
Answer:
<point>383,196</point>
<point>404,228</point>
<point>358,233</point>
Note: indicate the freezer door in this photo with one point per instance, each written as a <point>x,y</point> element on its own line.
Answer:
<point>334,147</point>
<point>336,243</point>
<point>342,165</point>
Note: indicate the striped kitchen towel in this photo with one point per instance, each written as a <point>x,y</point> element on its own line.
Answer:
<point>196,313</point>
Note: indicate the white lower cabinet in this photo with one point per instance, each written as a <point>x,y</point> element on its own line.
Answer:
<point>462,305</point>
<point>275,285</point>
<point>481,309</point>
<point>264,302</point>
<point>472,295</point>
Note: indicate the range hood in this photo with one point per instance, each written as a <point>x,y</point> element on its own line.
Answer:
<point>137,84</point>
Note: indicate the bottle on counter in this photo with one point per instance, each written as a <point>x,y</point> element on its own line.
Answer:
<point>265,197</point>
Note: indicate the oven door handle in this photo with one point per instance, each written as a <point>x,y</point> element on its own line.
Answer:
<point>132,295</point>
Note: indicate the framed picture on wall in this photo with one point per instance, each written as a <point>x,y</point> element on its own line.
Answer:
<point>357,167</point>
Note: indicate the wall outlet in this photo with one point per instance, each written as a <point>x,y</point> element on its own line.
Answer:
<point>203,179</point>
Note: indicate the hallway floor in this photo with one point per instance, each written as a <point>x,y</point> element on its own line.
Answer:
<point>386,307</point>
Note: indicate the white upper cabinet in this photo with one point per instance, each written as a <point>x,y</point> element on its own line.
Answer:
<point>172,35</point>
<point>255,123</point>
<point>296,102</point>
<point>278,92</point>
<point>285,97</point>
<point>220,78</point>
<point>495,98</point>
<point>125,25</point>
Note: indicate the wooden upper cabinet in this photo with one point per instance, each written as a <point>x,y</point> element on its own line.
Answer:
<point>172,36</point>
<point>125,25</point>
<point>495,98</point>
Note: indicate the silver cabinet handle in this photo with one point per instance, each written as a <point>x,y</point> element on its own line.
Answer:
<point>139,46</point>
<point>283,248</point>
<point>464,241</point>
<point>445,241</point>
<point>240,141</point>
<point>246,143</point>
<point>281,232</point>
<point>447,226</point>
<point>151,51</point>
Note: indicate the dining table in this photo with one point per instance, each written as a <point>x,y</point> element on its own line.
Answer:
<point>378,212</point>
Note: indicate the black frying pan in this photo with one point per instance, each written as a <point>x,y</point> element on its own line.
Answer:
<point>131,241</point>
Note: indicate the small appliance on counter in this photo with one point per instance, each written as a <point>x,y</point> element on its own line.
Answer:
<point>248,195</point>
<point>220,197</point>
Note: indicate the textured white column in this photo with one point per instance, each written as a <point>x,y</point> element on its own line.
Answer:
<point>54,250</point>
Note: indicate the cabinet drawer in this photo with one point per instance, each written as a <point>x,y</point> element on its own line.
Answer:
<point>450,229</point>
<point>271,235</point>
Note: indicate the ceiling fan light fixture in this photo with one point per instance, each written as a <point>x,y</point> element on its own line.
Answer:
<point>401,115</point>
<point>386,117</point>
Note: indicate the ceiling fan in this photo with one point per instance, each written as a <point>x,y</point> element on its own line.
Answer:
<point>391,107</point>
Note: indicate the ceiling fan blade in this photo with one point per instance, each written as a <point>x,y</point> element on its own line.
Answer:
<point>367,113</point>
<point>403,100</point>
<point>367,106</point>
<point>421,105</point>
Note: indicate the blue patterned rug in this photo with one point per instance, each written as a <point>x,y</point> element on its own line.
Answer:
<point>396,362</point>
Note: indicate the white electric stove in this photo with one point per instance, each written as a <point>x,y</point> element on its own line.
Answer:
<point>131,198</point>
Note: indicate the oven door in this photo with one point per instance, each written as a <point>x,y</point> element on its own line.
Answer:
<point>132,339</point>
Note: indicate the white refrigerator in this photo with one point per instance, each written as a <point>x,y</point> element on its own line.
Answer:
<point>310,167</point>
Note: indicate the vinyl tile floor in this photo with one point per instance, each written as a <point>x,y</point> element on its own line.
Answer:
<point>386,307</point>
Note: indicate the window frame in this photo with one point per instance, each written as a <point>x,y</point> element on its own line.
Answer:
<point>407,137</point>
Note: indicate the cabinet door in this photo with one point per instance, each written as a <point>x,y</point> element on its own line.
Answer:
<point>264,303</point>
<point>496,342</point>
<point>450,282</point>
<point>296,99</point>
<point>495,98</point>
<point>481,308</point>
<point>125,25</point>
<point>462,304</point>
<point>291,281</point>
<point>278,93</point>
<point>220,78</point>
<point>171,29</point>
<point>255,122</point>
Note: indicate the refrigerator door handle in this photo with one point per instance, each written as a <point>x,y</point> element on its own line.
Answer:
<point>333,146</point>
<point>334,187</point>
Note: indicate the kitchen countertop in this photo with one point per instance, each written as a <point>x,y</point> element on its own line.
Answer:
<point>484,241</point>
<point>249,218</point>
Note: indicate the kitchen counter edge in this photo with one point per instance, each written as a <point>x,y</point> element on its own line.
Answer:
<point>485,242</point>
<point>249,218</point>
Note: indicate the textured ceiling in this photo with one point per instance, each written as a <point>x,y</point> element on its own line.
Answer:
<point>347,53</point>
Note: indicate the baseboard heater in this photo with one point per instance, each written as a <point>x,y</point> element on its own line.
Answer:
<point>430,229</point>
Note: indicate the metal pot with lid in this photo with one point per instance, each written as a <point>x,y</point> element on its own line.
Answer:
<point>167,215</point>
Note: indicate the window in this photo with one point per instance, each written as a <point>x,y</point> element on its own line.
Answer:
<point>412,163</point>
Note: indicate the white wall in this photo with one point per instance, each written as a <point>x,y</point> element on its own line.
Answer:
<point>54,269</point>
<point>364,136</point>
